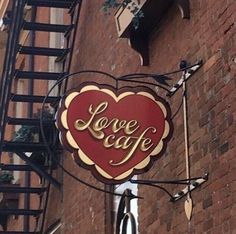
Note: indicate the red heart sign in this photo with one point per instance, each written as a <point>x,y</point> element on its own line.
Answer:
<point>117,134</point>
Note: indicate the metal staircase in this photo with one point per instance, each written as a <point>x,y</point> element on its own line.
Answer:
<point>11,74</point>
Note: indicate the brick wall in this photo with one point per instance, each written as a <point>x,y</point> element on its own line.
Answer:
<point>208,35</point>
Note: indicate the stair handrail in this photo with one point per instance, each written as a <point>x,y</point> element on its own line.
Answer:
<point>9,64</point>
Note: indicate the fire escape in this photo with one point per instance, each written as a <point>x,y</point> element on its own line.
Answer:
<point>11,74</point>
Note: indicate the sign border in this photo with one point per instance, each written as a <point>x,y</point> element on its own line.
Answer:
<point>117,92</point>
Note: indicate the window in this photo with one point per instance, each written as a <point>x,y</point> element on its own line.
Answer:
<point>133,204</point>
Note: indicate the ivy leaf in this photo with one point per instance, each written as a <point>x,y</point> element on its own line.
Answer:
<point>137,17</point>
<point>108,4</point>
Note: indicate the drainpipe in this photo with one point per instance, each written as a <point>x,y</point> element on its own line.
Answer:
<point>30,115</point>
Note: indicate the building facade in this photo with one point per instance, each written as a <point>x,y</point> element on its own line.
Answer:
<point>168,33</point>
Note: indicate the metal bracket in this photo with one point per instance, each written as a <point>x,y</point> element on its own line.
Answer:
<point>39,170</point>
<point>191,183</point>
<point>139,43</point>
<point>191,186</point>
<point>185,77</point>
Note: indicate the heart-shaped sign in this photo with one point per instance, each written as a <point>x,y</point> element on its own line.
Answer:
<point>114,134</point>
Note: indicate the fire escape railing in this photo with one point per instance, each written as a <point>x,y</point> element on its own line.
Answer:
<point>9,64</point>
<point>10,73</point>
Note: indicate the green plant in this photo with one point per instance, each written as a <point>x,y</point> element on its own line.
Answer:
<point>131,5</point>
<point>28,133</point>
<point>6,177</point>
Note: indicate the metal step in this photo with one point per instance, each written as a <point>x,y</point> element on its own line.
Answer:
<point>43,51</point>
<point>50,3</point>
<point>33,98</point>
<point>28,122</point>
<point>20,212</point>
<point>18,167</point>
<point>14,189</point>
<point>14,146</point>
<point>13,232</point>
<point>47,27</point>
<point>39,75</point>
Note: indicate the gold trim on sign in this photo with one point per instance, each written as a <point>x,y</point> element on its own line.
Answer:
<point>148,95</point>
<point>71,140</point>
<point>102,172</point>
<point>84,158</point>
<point>64,119</point>
<point>163,108</point>
<point>70,98</point>
<point>124,175</point>
<point>167,129</point>
<point>144,163</point>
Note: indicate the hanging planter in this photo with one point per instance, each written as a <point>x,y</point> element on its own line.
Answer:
<point>32,133</point>
<point>6,178</point>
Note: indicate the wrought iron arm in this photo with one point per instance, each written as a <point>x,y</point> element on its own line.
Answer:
<point>191,183</point>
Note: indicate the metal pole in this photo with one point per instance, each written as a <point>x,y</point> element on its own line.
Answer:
<point>188,203</point>
<point>30,115</point>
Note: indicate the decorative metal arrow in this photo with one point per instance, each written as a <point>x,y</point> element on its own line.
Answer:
<point>192,183</point>
<point>188,205</point>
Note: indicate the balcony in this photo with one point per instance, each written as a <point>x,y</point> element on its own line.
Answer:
<point>153,11</point>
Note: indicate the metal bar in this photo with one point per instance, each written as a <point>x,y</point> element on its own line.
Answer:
<point>20,212</point>
<point>53,227</point>
<point>73,42</point>
<point>47,27</point>
<point>186,135</point>
<point>43,51</point>
<point>6,65</point>
<point>9,189</point>
<point>26,225</point>
<point>168,181</point>
<point>39,170</point>
<point>39,75</point>
<point>158,182</point>
<point>188,189</point>
<point>188,74</point>
<point>156,186</point>
<point>47,3</point>
<point>27,121</point>
<point>32,98</point>
<point>13,146</point>
<point>10,65</point>
<point>13,232</point>
<point>45,208</point>
<point>17,167</point>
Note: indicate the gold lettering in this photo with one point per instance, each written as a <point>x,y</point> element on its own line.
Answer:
<point>146,144</point>
<point>98,126</point>
<point>106,141</point>
<point>131,124</point>
<point>134,147</point>
<point>127,142</point>
<point>121,124</point>
<point>118,143</point>
<point>81,125</point>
